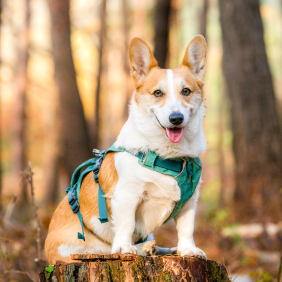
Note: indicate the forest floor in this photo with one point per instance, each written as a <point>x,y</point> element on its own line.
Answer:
<point>250,251</point>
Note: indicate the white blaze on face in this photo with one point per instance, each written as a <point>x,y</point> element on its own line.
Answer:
<point>171,85</point>
<point>172,103</point>
<point>172,106</point>
<point>172,98</point>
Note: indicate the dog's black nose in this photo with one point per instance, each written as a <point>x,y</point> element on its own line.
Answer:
<point>176,118</point>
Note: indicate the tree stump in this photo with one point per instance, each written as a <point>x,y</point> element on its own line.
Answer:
<point>92,267</point>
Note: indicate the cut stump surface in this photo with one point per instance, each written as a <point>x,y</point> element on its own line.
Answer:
<point>92,267</point>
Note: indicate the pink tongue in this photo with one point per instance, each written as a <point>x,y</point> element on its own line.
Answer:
<point>174,134</point>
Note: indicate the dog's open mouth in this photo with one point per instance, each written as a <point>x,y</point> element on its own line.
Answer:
<point>174,134</point>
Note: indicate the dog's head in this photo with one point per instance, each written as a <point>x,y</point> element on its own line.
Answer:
<point>169,97</point>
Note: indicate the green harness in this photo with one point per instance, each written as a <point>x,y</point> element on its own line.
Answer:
<point>186,171</point>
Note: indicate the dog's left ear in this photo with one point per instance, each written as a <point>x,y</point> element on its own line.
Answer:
<point>141,58</point>
<point>195,56</point>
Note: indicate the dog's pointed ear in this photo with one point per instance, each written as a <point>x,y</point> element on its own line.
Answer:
<point>141,58</point>
<point>195,56</point>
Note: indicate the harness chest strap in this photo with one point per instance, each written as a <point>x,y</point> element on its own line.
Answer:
<point>186,171</point>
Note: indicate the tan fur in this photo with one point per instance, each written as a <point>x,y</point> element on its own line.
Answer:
<point>152,81</point>
<point>194,84</point>
<point>138,51</point>
<point>65,224</point>
<point>197,43</point>
<point>108,179</point>
<point>148,76</point>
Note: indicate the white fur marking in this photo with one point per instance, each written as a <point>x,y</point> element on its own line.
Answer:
<point>102,230</point>
<point>170,83</point>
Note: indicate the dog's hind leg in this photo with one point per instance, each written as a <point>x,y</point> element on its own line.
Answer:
<point>151,248</point>
<point>148,248</point>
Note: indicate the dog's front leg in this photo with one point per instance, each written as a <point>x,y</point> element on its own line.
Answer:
<point>185,227</point>
<point>124,204</point>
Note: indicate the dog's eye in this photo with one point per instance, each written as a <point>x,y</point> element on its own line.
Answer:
<point>158,93</point>
<point>186,91</point>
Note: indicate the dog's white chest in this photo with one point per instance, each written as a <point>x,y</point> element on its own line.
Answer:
<point>156,206</point>
<point>156,193</point>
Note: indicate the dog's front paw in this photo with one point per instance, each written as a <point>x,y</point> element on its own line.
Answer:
<point>192,251</point>
<point>150,248</point>
<point>125,249</point>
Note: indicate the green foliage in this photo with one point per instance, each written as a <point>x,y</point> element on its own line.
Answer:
<point>221,216</point>
<point>245,261</point>
<point>261,276</point>
<point>237,240</point>
<point>49,269</point>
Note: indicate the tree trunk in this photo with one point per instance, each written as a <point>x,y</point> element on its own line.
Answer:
<point>52,161</point>
<point>257,140</point>
<point>20,146</point>
<point>127,78</point>
<point>161,40</point>
<point>220,146</point>
<point>100,72</point>
<point>74,135</point>
<point>203,18</point>
<point>51,186</point>
<point>1,196</point>
<point>136,268</point>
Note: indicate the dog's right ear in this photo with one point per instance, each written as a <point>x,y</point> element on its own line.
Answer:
<point>141,58</point>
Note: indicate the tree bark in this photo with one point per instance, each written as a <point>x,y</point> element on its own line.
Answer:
<point>52,162</point>
<point>1,196</point>
<point>20,146</point>
<point>127,78</point>
<point>74,135</point>
<point>220,147</point>
<point>203,18</point>
<point>51,186</point>
<point>136,268</point>
<point>161,40</point>
<point>102,36</point>
<point>257,139</point>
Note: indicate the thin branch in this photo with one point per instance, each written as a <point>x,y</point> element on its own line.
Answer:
<point>280,270</point>
<point>29,177</point>
<point>237,275</point>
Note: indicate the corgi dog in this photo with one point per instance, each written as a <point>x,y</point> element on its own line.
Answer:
<point>166,117</point>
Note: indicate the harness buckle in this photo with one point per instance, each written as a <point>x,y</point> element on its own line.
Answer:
<point>96,178</point>
<point>95,170</point>
<point>97,165</point>
<point>75,207</point>
<point>72,197</point>
<point>98,153</point>
<point>99,162</point>
<point>71,201</point>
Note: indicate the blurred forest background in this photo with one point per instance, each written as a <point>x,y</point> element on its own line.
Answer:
<point>65,89</point>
